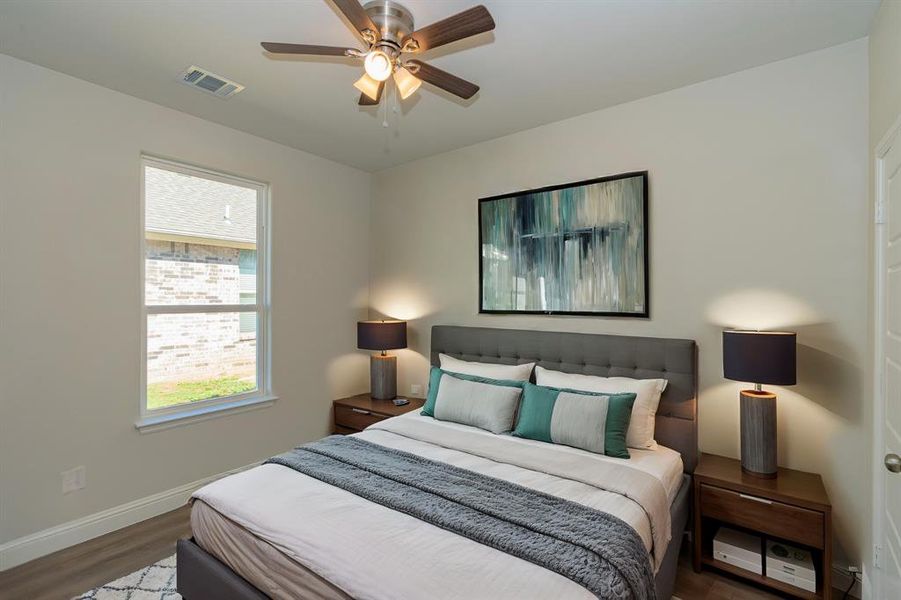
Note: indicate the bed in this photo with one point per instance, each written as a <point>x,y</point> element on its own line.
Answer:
<point>274,532</point>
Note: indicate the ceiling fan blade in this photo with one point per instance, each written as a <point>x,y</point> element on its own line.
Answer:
<point>278,48</point>
<point>444,80</point>
<point>358,17</point>
<point>462,25</point>
<point>367,101</point>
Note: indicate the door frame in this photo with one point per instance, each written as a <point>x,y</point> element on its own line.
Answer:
<point>887,143</point>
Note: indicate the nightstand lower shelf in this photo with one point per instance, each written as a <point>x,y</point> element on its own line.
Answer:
<point>774,584</point>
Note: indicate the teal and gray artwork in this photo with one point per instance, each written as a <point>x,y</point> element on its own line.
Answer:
<point>579,248</point>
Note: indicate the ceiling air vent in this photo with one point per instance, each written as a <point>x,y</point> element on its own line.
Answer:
<point>210,82</point>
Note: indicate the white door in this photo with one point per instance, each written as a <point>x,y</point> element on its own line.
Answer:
<point>888,352</point>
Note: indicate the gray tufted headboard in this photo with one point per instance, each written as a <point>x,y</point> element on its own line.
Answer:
<point>596,354</point>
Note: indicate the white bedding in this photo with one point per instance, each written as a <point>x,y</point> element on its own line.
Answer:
<point>370,551</point>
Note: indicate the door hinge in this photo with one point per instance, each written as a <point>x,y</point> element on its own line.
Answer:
<point>877,560</point>
<point>880,212</point>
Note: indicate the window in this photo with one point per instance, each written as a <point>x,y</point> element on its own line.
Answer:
<point>205,292</point>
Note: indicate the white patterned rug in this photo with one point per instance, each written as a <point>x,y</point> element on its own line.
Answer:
<point>156,582</point>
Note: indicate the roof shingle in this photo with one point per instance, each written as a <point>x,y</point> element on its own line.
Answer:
<point>181,204</point>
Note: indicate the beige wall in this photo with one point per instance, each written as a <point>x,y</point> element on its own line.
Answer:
<point>70,302</point>
<point>758,219</point>
<point>885,69</point>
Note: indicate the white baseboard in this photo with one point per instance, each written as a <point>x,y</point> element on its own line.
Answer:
<point>42,543</point>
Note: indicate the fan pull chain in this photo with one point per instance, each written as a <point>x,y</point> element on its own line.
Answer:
<point>395,110</point>
<point>387,101</point>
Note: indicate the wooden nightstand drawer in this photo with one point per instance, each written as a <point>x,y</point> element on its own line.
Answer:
<point>356,413</point>
<point>767,516</point>
<point>356,418</point>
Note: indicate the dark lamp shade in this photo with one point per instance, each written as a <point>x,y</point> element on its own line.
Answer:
<point>381,335</point>
<point>760,356</point>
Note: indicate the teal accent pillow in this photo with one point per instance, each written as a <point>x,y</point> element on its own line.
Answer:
<point>535,411</point>
<point>428,409</point>
<point>591,421</point>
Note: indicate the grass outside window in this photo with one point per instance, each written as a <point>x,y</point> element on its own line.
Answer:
<point>173,393</point>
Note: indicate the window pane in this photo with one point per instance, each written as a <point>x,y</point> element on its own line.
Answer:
<point>200,245</point>
<point>248,319</point>
<point>193,357</point>
<point>247,267</point>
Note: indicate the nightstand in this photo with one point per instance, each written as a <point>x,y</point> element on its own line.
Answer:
<point>792,508</point>
<point>356,413</point>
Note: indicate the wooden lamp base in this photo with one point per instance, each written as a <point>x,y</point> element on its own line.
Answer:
<point>383,376</point>
<point>758,434</point>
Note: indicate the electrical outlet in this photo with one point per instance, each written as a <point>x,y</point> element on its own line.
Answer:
<point>416,390</point>
<point>74,479</point>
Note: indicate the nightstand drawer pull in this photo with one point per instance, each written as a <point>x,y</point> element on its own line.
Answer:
<point>755,499</point>
<point>360,411</point>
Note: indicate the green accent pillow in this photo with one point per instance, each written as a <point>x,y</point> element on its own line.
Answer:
<point>428,409</point>
<point>591,421</point>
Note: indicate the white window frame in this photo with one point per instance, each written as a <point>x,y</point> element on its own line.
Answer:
<point>163,418</point>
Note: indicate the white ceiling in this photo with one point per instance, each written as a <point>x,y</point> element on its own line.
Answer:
<point>547,60</point>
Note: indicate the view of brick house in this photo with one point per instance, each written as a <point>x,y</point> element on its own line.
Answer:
<point>200,249</point>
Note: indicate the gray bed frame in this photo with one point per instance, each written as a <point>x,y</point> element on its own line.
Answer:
<point>201,576</point>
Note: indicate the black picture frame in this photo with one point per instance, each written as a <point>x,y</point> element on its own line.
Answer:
<point>645,314</point>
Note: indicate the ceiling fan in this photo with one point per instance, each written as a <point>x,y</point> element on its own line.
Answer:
<point>387,28</point>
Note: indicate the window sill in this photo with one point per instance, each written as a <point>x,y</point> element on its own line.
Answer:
<point>151,423</point>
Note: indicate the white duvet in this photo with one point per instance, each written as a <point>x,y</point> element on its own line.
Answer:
<point>370,551</point>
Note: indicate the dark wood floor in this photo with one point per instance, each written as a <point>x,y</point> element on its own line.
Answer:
<point>76,570</point>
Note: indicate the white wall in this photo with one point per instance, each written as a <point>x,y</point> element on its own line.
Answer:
<point>758,210</point>
<point>70,301</point>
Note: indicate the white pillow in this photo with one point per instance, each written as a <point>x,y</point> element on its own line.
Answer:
<point>481,405</point>
<point>489,370</point>
<point>647,398</point>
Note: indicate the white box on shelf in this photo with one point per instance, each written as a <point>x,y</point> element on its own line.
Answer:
<point>738,549</point>
<point>790,565</point>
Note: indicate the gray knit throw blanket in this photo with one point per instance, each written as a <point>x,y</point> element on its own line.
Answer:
<point>592,548</point>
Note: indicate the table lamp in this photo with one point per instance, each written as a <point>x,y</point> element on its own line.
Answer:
<point>759,357</point>
<point>382,335</point>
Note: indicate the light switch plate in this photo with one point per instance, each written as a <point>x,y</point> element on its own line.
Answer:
<point>416,390</point>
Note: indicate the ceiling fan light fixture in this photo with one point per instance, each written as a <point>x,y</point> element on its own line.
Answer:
<point>378,65</point>
<point>388,30</point>
<point>406,83</point>
<point>368,86</point>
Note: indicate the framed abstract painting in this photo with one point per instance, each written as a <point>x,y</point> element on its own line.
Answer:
<point>573,249</point>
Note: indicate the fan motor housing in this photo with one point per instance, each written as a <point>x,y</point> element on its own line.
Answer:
<point>393,19</point>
